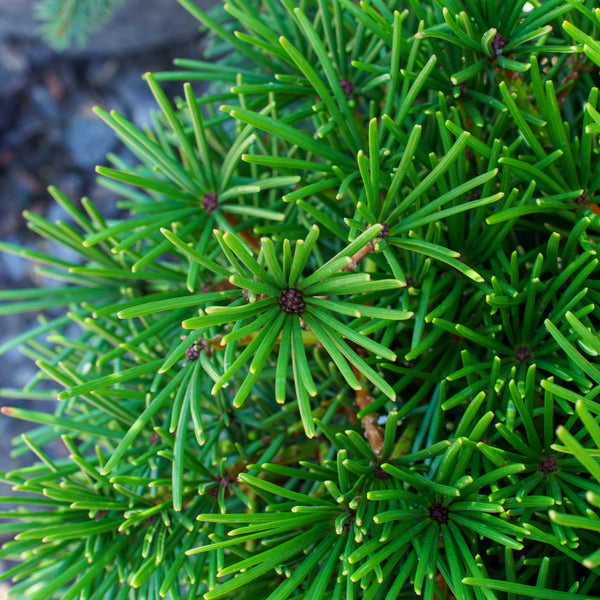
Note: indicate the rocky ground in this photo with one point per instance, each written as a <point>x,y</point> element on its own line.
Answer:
<point>49,136</point>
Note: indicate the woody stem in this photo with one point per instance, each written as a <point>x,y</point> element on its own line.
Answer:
<point>373,431</point>
<point>360,255</point>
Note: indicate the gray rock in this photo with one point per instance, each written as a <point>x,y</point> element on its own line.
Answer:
<point>55,212</point>
<point>137,98</point>
<point>44,103</point>
<point>88,140</point>
<point>13,70</point>
<point>14,267</point>
<point>71,185</point>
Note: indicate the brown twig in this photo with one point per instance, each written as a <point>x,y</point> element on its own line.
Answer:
<point>373,431</point>
<point>358,256</point>
<point>363,252</point>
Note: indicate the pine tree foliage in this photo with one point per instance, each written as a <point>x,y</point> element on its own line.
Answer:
<point>65,21</point>
<point>345,343</point>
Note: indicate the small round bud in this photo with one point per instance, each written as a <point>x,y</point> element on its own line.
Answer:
<point>380,473</point>
<point>292,301</point>
<point>498,43</point>
<point>210,202</point>
<point>522,354</point>
<point>193,352</point>
<point>347,87</point>
<point>548,465</point>
<point>439,513</point>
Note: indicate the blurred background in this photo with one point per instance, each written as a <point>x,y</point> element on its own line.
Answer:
<point>50,136</point>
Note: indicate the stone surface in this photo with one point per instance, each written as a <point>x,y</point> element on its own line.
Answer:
<point>88,139</point>
<point>137,98</point>
<point>13,70</point>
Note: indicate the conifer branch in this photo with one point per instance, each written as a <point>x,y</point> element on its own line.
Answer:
<point>446,145</point>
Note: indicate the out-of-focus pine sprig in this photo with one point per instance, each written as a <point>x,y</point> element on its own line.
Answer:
<point>64,21</point>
